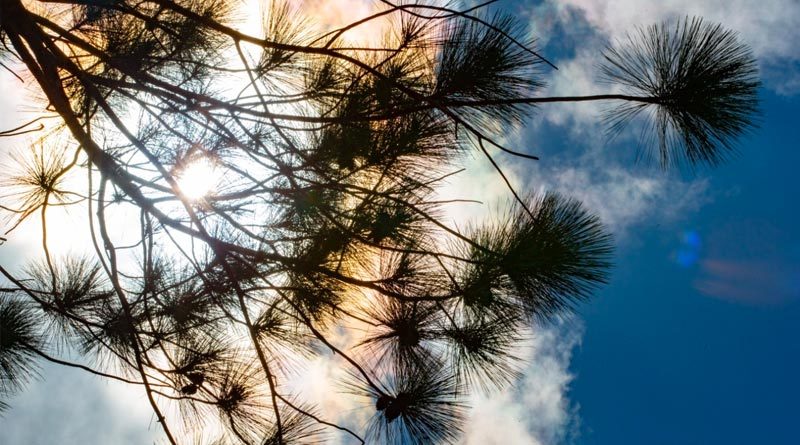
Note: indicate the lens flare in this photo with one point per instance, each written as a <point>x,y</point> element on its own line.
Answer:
<point>689,252</point>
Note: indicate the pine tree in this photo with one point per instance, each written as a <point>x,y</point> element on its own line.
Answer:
<point>316,231</point>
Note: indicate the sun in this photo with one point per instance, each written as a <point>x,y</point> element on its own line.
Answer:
<point>198,178</point>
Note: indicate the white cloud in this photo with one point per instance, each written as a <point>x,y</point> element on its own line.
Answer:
<point>770,27</point>
<point>71,406</point>
<point>624,198</point>
<point>537,410</point>
<point>576,77</point>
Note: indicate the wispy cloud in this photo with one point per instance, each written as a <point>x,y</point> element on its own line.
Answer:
<point>70,406</point>
<point>537,410</point>
<point>770,27</point>
<point>624,198</point>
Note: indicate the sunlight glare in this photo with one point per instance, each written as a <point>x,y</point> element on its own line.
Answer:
<point>198,178</point>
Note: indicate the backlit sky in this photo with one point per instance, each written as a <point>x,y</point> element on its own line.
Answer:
<point>695,341</point>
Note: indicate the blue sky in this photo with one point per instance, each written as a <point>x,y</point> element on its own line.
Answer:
<point>668,360</point>
<point>695,339</point>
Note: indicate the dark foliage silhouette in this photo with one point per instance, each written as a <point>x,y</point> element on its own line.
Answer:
<point>705,82</point>
<point>257,200</point>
